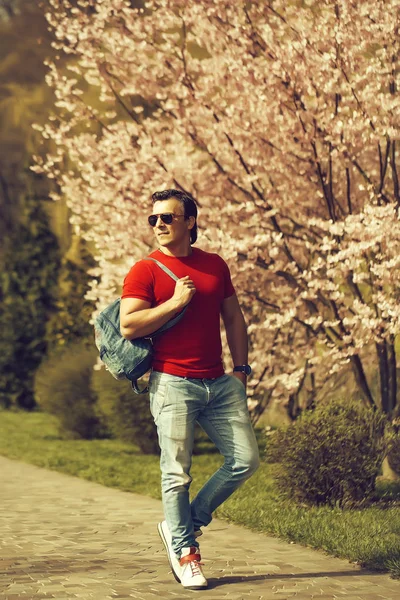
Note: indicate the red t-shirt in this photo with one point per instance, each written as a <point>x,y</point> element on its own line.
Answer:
<point>192,348</point>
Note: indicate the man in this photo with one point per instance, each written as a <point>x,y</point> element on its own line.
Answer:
<point>187,382</point>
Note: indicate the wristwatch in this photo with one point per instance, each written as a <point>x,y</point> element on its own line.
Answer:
<point>246,369</point>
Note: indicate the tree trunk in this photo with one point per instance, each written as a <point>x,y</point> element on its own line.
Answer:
<point>392,376</point>
<point>361,380</point>
<point>381,350</point>
<point>386,353</point>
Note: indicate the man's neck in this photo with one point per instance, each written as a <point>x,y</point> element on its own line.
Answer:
<point>179,252</point>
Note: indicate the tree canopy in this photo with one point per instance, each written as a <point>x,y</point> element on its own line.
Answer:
<point>282,120</point>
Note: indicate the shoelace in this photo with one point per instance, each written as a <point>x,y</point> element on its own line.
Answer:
<point>193,559</point>
<point>194,565</point>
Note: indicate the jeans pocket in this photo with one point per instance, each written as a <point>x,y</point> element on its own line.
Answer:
<point>158,395</point>
<point>237,382</point>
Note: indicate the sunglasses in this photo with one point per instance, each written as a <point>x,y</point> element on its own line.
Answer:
<point>166,218</point>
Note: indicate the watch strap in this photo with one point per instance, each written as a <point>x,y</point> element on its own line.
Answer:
<point>246,369</point>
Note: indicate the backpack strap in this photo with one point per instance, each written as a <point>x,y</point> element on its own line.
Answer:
<point>163,267</point>
<point>179,316</point>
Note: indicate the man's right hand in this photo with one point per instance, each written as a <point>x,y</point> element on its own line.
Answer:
<point>184,291</point>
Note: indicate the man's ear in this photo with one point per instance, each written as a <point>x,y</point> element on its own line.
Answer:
<point>191,221</point>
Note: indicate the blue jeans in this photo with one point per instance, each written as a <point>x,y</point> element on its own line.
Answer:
<point>220,407</point>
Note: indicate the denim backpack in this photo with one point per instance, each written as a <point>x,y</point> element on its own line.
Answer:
<point>127,359</point>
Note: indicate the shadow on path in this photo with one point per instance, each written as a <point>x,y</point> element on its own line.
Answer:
<point>229,579</point>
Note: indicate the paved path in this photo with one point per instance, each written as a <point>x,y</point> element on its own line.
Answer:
<point>63,537</point>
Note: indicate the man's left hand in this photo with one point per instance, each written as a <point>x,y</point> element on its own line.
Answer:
<point>241,376</point>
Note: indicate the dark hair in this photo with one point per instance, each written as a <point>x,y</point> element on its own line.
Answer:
<point>189,206</point>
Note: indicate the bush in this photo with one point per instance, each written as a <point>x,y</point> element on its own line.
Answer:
<point>73,311</point>
<point>63,388</point>
<point>28,276</point>
<point>331,455</point>
<point>126,414</point>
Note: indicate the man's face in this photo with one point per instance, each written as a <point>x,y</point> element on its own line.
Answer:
<point>179,230</point>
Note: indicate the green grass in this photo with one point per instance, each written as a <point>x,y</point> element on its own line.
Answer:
<point>369,536</point>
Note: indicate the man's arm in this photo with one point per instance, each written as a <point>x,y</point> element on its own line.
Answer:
<point>137,319</point>
<point>236,333</point>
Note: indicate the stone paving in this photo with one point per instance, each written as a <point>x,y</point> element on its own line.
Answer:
<point>63,537</point>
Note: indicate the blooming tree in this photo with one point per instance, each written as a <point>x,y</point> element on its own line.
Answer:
<point>281,117</point>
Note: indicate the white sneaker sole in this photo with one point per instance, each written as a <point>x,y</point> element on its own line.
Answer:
<point>168,550</point>
<point>195,587</point>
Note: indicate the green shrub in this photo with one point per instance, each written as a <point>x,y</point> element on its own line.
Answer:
<point>73,311</point>
<point>331,455</point>
<point>63,388</point>
<point>126,414</point>
<point>28,273</point>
